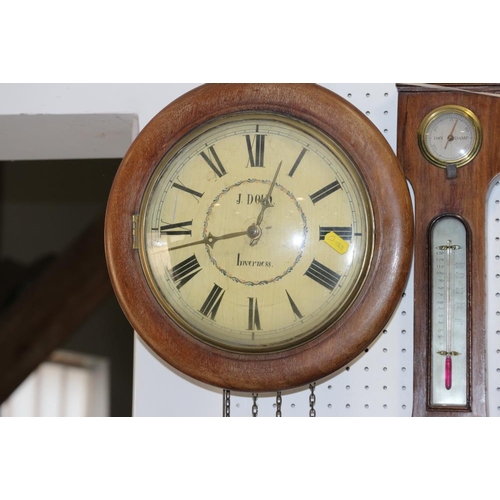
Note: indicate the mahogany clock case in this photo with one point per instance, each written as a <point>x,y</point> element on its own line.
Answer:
<point>375,301</point>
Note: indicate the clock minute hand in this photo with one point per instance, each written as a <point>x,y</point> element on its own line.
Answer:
<point>266,201</point>
<point>211,240</point>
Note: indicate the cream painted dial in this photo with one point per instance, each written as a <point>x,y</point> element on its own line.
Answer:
<point>256,232</point>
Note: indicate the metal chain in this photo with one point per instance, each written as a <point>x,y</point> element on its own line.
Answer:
<point>278,404</point>
<point>255,408</point>
<point>312,400</point>
<point>226,407</point>
<point>226,403</point>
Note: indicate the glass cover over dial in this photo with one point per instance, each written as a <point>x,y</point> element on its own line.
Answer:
<point>256,232</point>
<point>450,135</point>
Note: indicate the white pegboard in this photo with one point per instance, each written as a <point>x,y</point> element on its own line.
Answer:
<point>493,297</point>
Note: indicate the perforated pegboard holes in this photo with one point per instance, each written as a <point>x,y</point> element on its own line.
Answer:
<point>493,298</point>
<point>379,104</point>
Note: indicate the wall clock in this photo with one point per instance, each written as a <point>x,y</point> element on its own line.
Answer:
<point>259,236</point>
<point>447,145</point>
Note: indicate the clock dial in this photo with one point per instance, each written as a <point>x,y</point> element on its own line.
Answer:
<point>256,232</point>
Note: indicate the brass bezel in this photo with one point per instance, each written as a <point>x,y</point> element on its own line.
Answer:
<point>435,114</point>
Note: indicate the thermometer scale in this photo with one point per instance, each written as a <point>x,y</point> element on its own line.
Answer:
<point>449,313</point>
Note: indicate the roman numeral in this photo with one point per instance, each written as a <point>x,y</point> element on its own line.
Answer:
<point>297,162</point>
<point>217,167</point>
<point>295,309</point>
<point>322,275</point>
<point>256,150</point>
<point>184,271</point>
<point>324,192</point>
<point>212,303</point>
<point>175,229</point>
<point>187,190</point>
<point>253,314</point>
<point>345,232</point>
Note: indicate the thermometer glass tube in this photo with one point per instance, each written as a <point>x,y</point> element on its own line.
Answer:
<point>449,313</point>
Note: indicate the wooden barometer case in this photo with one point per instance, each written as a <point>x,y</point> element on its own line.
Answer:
<point>258,236</point>
<point>449,148</point>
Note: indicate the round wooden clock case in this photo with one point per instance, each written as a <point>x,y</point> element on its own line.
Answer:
<point>307,152</point>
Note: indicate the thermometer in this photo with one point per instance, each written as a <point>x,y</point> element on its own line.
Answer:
<point>449,312</point>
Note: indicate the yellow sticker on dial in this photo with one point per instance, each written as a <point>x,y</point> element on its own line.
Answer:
<point>336,242</point>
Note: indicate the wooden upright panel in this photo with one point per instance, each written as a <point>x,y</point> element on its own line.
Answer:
<point>465,198</point>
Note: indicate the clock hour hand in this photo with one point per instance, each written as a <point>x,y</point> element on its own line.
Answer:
<point>211,240</point>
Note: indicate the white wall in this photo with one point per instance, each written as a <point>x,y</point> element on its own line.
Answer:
<point>81,120</point>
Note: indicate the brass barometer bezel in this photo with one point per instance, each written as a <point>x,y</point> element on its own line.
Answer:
<point>438,114</point>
